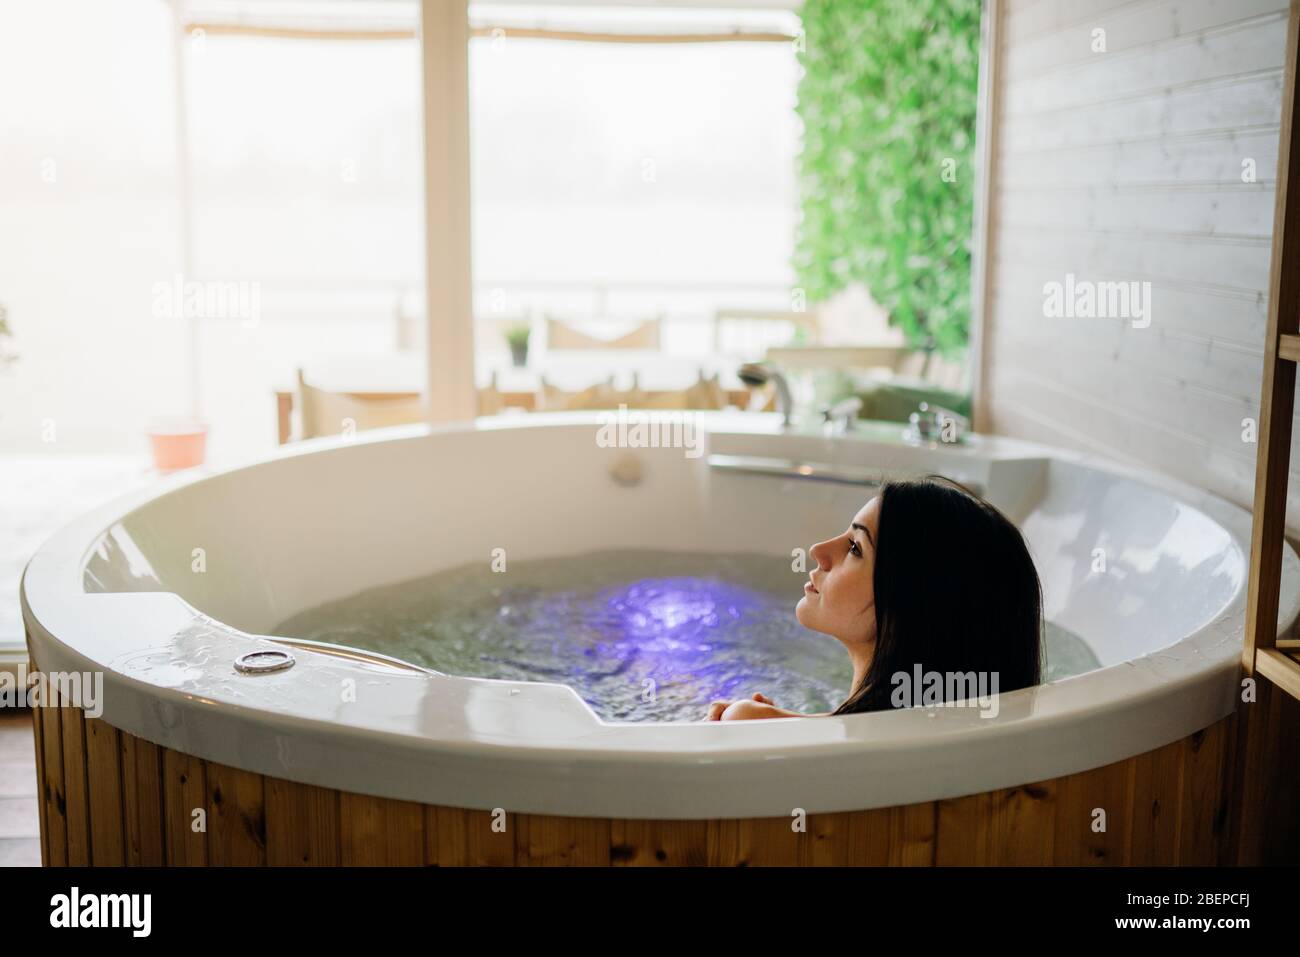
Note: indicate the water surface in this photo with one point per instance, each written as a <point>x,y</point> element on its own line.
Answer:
<point>640,635</point>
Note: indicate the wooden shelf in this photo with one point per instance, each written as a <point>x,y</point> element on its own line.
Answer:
<point>1281,668</point>
<point>1263,653</point>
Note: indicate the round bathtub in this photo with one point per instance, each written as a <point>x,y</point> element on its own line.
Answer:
<point>348,757</point>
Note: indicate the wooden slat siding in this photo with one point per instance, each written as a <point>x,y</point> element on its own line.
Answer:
<point>1077,796</point>
<point>76,794</point>
<point>1174,351</point>
<point>104,786</point>
<point>1171,361</point>
<point>40,783</point>
<point>1156,828</point>
<point>1284,822</point>
<point>1045,420</point>
<point>1024,821</point>
<point>302,824</point>
<point>870,837</point>
<point>1267,831</point>
<point>1209,424</point>
<point>1244,211</point>
<point>236,816</point>
<point>1204,802</point>
<point>39,746</point>
<point>1010,827</point>
<point>1046,822</point>
<point>912,835</point>
<point>444,842</point>
<point>561,841</point>
<point>831,840</point>
<point>1246,102</point>
<point>1098,254</point>
<point>659,843</point>
<point>1132,30</point>
<point>379,832</point>
<point>1258,727</point>
<point>1247,46</point>
<point>184,791</point>
<point>1273,771</point>
<point>1026,261</point>
<point>758,842</point>
<point>965,833</point>
<point>130,798</point>
<point>1235,317</point>
<point>1044,423</point>
<point>1253,750</point>
<point>1198,159</point>
<point>892,836</point>
<point>1075,419</point>
<point>1028,19</point>
<point>142,802</point>
<point>1226,835</point>
<point>480,844</point>
<point>52,792</point>
<point>461,837</point>
<point>1216,413</point>
<point>1126,166</point>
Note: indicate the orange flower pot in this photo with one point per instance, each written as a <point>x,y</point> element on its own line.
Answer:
<point>177,443</point>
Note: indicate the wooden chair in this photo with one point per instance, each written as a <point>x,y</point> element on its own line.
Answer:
<point>561,335</point>
<point>334,413</point>
<point>704,394</point>
<point>491,400</point>
<point>602,395</point>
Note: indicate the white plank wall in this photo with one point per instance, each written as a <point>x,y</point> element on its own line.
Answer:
<point>1127,165</point>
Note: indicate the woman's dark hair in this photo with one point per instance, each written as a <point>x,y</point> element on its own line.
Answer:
<point>956,592</point>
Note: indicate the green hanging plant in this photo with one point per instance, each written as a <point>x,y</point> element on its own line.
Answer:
<point>888,102</point>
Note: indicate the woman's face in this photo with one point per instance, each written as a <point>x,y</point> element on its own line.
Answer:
<point>839,599</point>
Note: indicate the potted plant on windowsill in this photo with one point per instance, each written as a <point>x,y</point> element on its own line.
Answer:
<point>517,336</point>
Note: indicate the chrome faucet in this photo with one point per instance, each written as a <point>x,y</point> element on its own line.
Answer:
<point>839,417</point>
<point>757,374</point>
<point>934,423</point>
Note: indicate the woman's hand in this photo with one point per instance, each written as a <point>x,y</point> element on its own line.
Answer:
<point>747,709</point>
<point>718,708</point>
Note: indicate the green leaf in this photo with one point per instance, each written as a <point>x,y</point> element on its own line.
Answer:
<point>888,94</point>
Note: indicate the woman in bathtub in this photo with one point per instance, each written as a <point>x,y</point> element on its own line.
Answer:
<point>926,575</point>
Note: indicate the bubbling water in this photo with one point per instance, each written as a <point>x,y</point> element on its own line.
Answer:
<point>639,635</point>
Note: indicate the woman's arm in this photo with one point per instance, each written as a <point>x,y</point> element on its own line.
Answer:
<point>747,709</point>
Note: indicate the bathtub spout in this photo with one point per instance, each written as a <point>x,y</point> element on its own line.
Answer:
<point>758,374</point>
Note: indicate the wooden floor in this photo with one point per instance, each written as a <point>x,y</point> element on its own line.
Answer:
<point>20,838</point>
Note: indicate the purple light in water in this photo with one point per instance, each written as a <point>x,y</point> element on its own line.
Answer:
<point>671,620</point>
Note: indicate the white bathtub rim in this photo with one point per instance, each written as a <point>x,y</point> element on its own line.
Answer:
<point>1191,687</point>
<point>818,776</point>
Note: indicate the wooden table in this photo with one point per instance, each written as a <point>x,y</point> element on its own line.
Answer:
<point>402,374</point>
